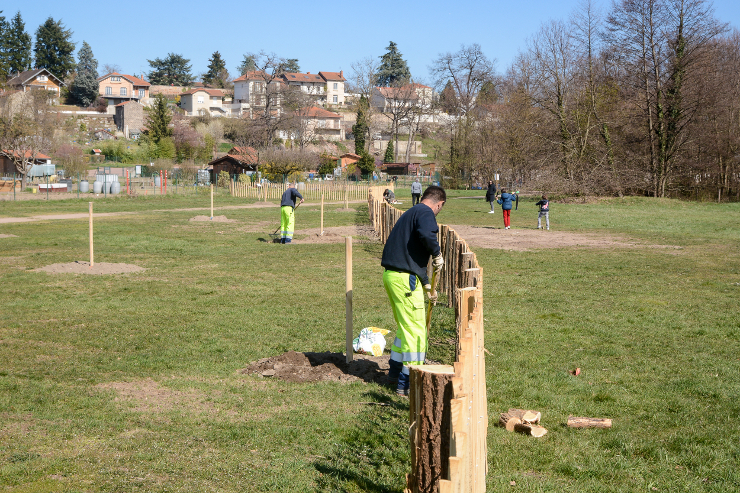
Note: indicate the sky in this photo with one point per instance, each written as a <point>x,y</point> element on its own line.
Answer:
<point>323,36</point>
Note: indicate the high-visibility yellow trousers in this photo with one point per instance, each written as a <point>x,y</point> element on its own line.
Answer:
<point>287,223</point>
<point>407,300</point>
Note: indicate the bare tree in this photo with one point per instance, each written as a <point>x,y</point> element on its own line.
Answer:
<point>26,128</point>
<point>279,163</point>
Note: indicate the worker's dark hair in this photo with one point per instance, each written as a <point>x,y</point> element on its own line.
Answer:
<point>437,194</point>
<point>544,197</point>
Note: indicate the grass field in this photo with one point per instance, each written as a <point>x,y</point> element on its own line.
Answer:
<point>131,382</point>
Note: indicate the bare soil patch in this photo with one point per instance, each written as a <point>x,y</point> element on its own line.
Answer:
<point>7,236</point>
<point>148,396</point>
<point>532,239</point>
<point>214,219</point>
<point>84,268</point>
<point>320,367</point>
<point>335,234</point>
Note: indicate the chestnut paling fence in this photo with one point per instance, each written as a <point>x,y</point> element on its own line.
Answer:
<point>332,191</point>
<point>448,406</point>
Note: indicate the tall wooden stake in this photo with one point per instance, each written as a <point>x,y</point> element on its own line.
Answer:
<point>348,297</point>
<point>322,215</point>
<point>211,201</point>
<point>92,261</point>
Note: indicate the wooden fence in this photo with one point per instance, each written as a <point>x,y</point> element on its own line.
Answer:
<point>333,191</point>
<point>448,410</point>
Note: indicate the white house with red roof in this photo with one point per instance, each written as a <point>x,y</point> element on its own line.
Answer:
<point>314,123</point>
<point>202,101</point>
<point>117,88</point>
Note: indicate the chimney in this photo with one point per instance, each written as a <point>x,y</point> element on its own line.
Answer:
<point>340,74</point>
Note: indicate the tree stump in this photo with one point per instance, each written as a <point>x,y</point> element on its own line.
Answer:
<point>429,430</point>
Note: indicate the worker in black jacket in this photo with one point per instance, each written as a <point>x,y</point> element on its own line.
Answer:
<point>412,241</point>
<point>491,195</point>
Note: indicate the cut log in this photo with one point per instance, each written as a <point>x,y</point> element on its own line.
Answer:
<point>527,416</point>
<point>581,422</point>
<point>508,421</point>
<point>533,430</point>
<point>429,433</point>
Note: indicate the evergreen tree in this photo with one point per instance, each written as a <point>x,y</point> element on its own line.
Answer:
<point>18,45</point>
<point>388,158</point>
<point>393,70</point>
<point>173,70</point>
<point>361,128</point>
<point>159,119</point>
<point>487,94</point>
<point>53,50</point>
<point>4,62</point>
<point>216,70</point>
<point>247,65</point>
<point>290,65</point>
<point>84,89</point>
<point>366,163</point>
<point>448,100</point>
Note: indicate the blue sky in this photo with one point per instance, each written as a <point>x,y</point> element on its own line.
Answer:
<point>323,36</point>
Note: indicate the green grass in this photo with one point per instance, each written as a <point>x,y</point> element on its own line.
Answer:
<point>131,382</point>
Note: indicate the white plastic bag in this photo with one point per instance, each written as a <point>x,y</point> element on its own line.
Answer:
<point>370,341</point>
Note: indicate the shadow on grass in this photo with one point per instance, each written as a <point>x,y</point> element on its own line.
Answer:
<point>373,456</point>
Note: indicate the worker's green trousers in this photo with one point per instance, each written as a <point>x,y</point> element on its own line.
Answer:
<point>287,223</point>
<point>407,299</point>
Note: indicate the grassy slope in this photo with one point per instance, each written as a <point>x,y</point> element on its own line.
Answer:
<point>655,333</point>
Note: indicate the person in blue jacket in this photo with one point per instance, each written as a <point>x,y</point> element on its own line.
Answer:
<point>506,201</point>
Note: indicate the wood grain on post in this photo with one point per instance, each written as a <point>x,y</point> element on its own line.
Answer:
<point>348,297</point>
<point>582,422</point>
<point>429,430</point>
<point>322,215</point>
<point>92,260</point>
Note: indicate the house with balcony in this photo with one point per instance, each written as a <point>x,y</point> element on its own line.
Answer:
<point>38,78</point>
<point>117,88</point>
<point>314,123</point>
<point>334,87</point>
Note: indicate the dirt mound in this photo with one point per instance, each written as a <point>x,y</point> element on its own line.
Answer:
<point>215,219</point>
<point>320,367</point>
<point>84,268</point>
<point>362,232</point>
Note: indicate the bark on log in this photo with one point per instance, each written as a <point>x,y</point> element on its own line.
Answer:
<point>527,416</point>
<point>429,433</point>
<point>508,421</point>
<point>533,430</point>
<point>581,422</point>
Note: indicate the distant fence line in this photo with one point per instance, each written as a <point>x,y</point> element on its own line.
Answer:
<point>332,191</point>
<point>448,404</point>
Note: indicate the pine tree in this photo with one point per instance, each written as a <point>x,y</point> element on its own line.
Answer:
<point>18,46</point>
<point>366,163</point>
<point>173,70</point>
<point>487,94</point>
<point>159,119</point>
<point>448,100</point>
<point>388,158</point>
<point>4,62</point>
<point>290,66</point>
<point>53,50</point>
<point>84,89</point>
<point>216,68</point>
<point>247,65</point>
<point>361,127</point>
<point>393,70</point>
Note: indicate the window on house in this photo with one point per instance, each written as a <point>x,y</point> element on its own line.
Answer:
<point>42,78</point>
<point>322,123</point>
<point>335,99</point>
<point>200,99</point>
<point>142,92</point>
<point>123,91</point>
<point>336,86</point>
<point>108,91</point>
<point>115,78</point>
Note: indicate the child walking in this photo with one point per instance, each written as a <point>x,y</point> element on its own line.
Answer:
<point>506,201</point>
<point>544,211</point>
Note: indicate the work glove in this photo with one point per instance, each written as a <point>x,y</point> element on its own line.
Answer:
<point>428,291</point>
<point>438,262</point>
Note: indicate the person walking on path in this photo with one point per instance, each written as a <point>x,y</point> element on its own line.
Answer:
<point>491,195</point>
<point>506,201</point>
<point>415,192</point>
<point>412,241</point>
<point>287,213</point>
<point>544,211</point>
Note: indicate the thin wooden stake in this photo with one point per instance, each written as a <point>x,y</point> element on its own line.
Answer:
<point>322,215</point>
<point>348,297</point>
<point>211,201</point>
<point>92,261</point>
